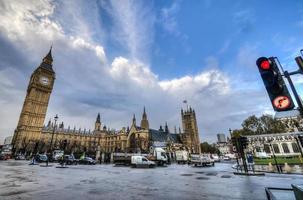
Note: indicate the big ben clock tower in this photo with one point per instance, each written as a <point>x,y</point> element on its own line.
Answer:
<point>35,105</point>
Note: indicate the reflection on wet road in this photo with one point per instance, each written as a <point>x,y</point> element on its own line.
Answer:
<point>18,180</point>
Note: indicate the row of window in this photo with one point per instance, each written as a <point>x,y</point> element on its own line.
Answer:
<point>276,149</point>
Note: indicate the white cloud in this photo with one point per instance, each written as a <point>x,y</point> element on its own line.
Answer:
<point>213,80</point>
<point>133,23</point>
<point>88,82</point>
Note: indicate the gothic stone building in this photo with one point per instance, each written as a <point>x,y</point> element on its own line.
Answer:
<point>32,135</point>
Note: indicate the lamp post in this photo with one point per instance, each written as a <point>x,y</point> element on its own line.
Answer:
<point>273,153</point>
<point>238,165</point>
<point>51,143</point>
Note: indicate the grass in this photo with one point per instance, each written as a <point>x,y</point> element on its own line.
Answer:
<point>280,160</point>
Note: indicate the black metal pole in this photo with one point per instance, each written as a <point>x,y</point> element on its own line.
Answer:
<point>51,143</point>
<point>275,159</point>
<point>299,102</point>
<point>243,157</point>
<point>298,143</point>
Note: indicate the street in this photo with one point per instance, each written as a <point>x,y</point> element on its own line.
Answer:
<point>18,180</point>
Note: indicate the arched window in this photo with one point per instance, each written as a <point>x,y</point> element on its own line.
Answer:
<point>266,148</point>
<point>295,148</point>
<point>285,148</point>
<point>276,148</point>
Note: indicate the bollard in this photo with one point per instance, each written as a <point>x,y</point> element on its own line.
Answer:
<point>287,168</point>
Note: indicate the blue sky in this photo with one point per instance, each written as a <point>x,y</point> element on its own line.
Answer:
<point>114,57</point>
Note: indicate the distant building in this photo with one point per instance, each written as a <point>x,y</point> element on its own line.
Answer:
<point>221,138</point>
<point>224,146</point>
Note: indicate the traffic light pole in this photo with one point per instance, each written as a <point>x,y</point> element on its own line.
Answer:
<point>299,102</point>
<point>243,158</point>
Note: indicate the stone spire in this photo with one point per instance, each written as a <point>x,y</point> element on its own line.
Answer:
<point>144,121</point>
<point>98,123</point>
<point>98,120</point>
<point>134,120</point>
<point>166,128</point>
<point>48,59</point>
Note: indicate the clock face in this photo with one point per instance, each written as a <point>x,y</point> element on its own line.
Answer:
<point>44,80</point>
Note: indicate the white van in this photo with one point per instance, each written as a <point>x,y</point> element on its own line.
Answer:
<point>141,161</point>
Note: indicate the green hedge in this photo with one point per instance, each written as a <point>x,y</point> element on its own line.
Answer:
<point>280,160</point>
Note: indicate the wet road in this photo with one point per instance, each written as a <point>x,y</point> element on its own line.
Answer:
<point>18,180</point>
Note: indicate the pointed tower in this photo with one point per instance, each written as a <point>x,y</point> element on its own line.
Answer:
<point>190,137</point>
<point>134,120</point>
<point>144,121</point>
<point>35,104</point>
<point>166,130</point>
<point>98,123</point>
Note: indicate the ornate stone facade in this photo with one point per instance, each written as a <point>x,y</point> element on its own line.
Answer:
<point>190,137</point>
<point>35,104</point>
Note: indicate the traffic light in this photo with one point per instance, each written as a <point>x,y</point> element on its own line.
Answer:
<point>243,141</point>
<point>277,91</point>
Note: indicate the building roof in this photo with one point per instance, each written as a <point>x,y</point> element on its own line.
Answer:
<point>161,136</point>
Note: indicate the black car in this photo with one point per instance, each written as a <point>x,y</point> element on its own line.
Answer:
<point>87,161</point>
<point>70,160</point>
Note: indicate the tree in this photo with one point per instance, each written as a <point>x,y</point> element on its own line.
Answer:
<point>265,124</point>
<point>207,148</point>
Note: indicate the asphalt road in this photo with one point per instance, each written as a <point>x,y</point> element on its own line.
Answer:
<point>18,180</point>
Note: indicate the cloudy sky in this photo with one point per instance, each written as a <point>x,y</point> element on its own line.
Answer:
<point>114,57</point>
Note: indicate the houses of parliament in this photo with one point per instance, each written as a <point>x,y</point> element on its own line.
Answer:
<point>33,135</point>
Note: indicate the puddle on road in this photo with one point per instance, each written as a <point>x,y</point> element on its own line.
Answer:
<point>186,174</point>
<point>226,176</point>
<point>211,174</point>
<point>202,178</point>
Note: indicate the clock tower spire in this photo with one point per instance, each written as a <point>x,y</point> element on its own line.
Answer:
<point>35,105</point>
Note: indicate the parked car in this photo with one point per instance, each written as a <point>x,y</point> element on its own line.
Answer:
<point>201,160</point>
<point>57,154</point>
<point>87,161</point>
<point>70,160</point>
<point>215,158</point>
<point>20,157</point>
<point>41,158</point>
<point>142,161</point>
<point>3,157</point>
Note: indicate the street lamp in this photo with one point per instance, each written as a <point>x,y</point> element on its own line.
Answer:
<point>273,153</point>
<point>238,164</point>
<point>51,143</point>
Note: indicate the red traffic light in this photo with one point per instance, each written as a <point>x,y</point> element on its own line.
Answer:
<point>265,64</point>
